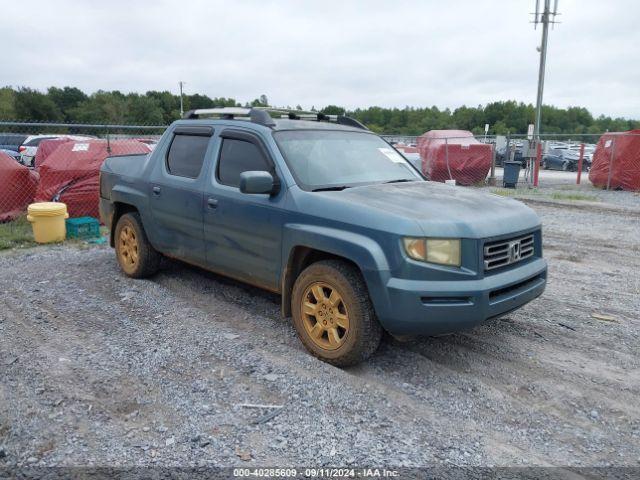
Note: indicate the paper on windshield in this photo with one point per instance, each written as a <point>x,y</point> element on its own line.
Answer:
<point>392,155</point>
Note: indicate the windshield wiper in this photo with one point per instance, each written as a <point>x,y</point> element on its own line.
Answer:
<point>333,188</point>
<point>401,180</point>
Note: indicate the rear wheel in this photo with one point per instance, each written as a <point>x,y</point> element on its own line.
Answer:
<point>333,314</point>
<point>136,257</point>
<point>565,166</point>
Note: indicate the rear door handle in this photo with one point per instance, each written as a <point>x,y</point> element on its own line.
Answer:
<point>212,202</point>
<point>156,190</point>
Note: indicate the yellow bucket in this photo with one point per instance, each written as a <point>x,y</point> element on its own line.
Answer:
<point>47,221</point>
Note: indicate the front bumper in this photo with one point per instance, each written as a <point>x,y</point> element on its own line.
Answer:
<point>434,307</point>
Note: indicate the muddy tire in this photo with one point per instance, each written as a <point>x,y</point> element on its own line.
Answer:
<point>333,314</point>
<point>135,255</point>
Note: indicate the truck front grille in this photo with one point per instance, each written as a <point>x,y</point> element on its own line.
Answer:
<point>506,252</point>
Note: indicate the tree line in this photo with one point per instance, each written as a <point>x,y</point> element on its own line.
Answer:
<point>72,105</point>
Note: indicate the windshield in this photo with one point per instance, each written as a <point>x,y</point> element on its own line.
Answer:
<point>321,159</point>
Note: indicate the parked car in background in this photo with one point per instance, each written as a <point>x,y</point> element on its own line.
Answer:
<point>12,153</point>
<point>330,217</point>
<point>517,156</point>
<point>29,148</point>
<point>564,159</point>
<point>12,141</point>
<point>588,151</point>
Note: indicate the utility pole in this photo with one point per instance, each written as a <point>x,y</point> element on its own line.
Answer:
<point>181,83</point>
<point>545,17</point>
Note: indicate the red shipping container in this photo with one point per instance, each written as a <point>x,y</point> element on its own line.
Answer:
<point>17,187</point>
<point>70,174</point>
<point>616,161</point>
<point>454,154</point>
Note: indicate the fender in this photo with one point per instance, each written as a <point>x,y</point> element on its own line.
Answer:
<point>362,250</point>
<point>365,252</point>
<point>130,195</point>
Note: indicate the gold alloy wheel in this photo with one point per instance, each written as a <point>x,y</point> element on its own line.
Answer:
<point>324,316</point>
<point>128,250</point>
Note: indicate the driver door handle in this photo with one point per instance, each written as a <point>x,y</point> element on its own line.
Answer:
<point>212,202</point>
<point>156,190</point>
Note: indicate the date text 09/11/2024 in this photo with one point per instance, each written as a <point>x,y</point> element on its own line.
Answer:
<point>316,472</point>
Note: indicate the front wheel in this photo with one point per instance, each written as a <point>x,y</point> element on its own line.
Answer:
<point>136,257</point>
<point>333,314</point>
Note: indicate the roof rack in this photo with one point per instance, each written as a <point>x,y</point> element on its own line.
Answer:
<point>261,115</point>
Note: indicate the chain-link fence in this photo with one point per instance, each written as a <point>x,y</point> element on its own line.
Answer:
<point>61,162</point>
<point>42,162</point>
<point>609,160</point>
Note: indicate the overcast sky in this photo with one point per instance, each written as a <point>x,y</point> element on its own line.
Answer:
<point>386,53</point>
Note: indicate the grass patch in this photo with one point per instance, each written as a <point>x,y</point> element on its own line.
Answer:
<point>511,192</point>
<point>16,234</point>
<point>19,234</point>
<point>574,196</point>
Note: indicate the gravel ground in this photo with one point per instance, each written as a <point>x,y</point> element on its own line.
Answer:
<point>98,369</point>
<point>564,183</point>
<point>616,198</point>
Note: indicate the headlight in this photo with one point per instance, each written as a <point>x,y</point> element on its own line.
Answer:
<point>443,251</point>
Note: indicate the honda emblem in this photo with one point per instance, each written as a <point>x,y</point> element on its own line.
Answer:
<point>514,251</point>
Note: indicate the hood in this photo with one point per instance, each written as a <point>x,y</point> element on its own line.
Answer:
<point>444,210</point>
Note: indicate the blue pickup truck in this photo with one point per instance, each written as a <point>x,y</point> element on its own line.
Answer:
<point>326,213</point>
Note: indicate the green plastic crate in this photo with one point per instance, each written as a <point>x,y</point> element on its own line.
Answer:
<point>83,228</point>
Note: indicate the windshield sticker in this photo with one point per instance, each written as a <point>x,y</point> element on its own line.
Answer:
<point>391,155</point>
<point>80,147</point>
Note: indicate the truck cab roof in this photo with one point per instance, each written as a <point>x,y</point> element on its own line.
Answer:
<point>282,119</point>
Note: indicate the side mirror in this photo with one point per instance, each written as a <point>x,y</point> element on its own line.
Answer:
<point>257,182</point>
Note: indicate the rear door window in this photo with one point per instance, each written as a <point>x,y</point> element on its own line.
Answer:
<point>237,156</point>
<point>186,155</point>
